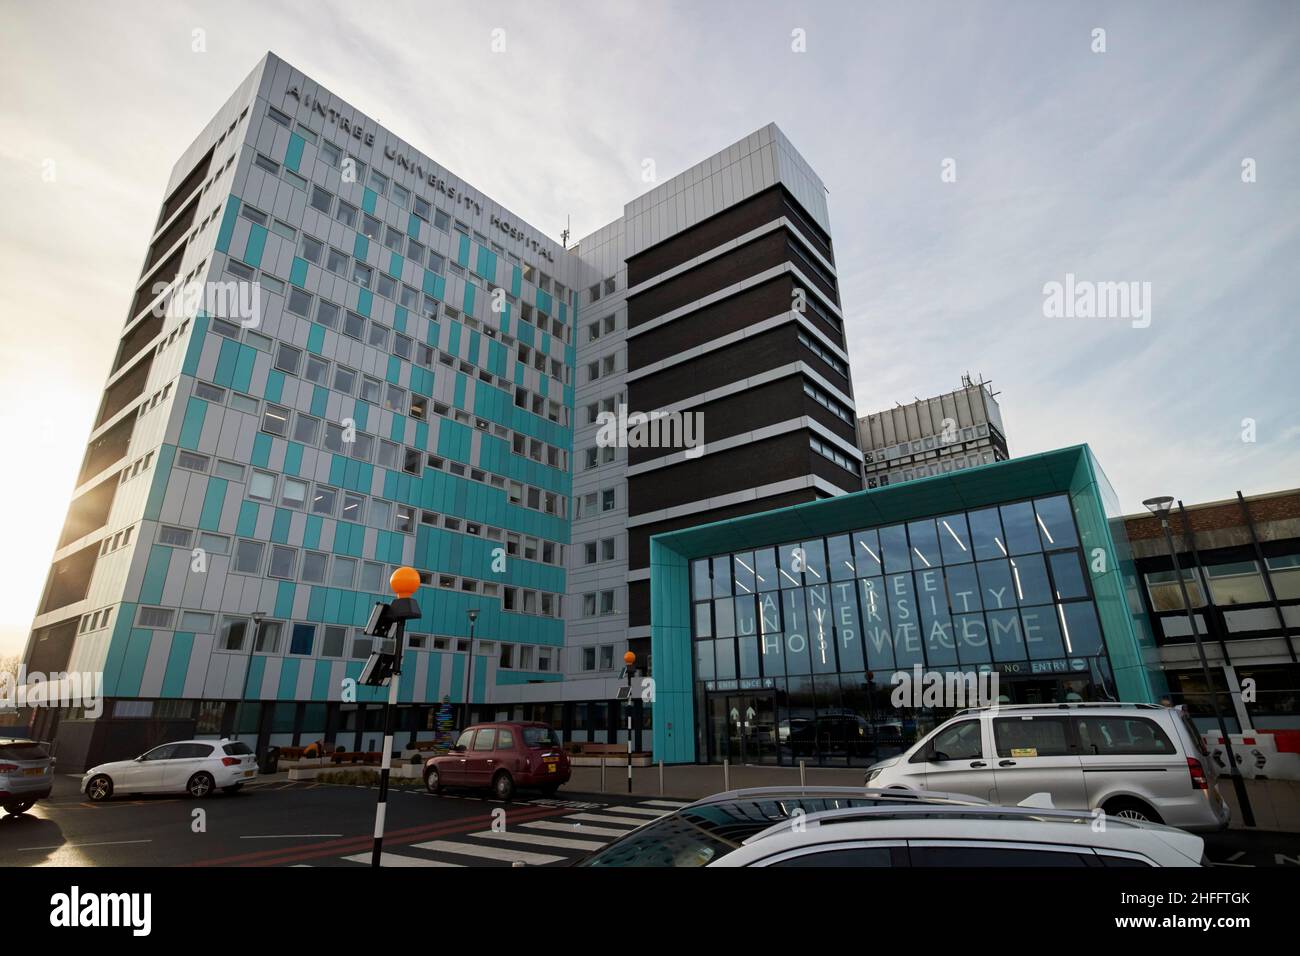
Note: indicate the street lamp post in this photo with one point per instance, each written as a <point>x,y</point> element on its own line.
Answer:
<point>1159,506</point>
<point>472,614</point>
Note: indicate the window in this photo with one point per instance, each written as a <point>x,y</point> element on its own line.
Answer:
<point>588,658</point>
<point>320,199</point>
<point>208,392</point>
<point>293,493</point>
<point>212,543</point>
<point>288,359</point>
<point>607,657</point>
<point>959,742</point>
<point>160,617</point>
<point>269,165</point>
<point>311,249</point>
<point>196,622</point>
<point>346,213</point>
<point>362,274</point>
<point>370,227</point>
<point>179,537</point>
<point>302,639</point>
<point>344,379</point>
<point>337,263</point>
<point>229,470</point>
<point>334,641</point>
<point>262,486</point>
<point>1121,736</point>
<point>1024,737</point>
<point>316,370</point>
<point>191,461</point>
<point>248,556</point>
<point>234,631</point>
<point>345,570</point>
<point>313,567</point>
<point>268,637</point>
<point>283,561</point>
<point>606,602</point>
<point>279,117</point>
<point>275,420</point>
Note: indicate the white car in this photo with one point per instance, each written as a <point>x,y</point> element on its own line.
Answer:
<point>1136,761</point>
<point>196,767</point>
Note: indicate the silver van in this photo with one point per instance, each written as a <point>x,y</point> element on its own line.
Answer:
<point>1136,761</point>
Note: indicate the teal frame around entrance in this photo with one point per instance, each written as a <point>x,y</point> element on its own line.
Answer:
<point>1073,471</point>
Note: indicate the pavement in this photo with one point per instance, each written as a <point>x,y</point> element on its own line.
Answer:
<point>277,822</point>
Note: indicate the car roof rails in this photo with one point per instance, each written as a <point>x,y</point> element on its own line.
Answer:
<point>844,793</point>
<point>973,811</point>
<point>1070,705</point>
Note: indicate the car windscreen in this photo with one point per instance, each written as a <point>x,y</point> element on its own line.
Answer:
<point>696,836</point>
<point>540,737</point>
<point>237,749</point>
<point>23,751</point>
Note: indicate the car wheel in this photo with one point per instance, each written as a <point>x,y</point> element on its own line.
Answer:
<point>100,788</point>
<point>433,780</point>
<point>503,786</point>
<point>19,806</point>
<point>233,788</point>
<point>1128,809</point>
<point>200,785</point>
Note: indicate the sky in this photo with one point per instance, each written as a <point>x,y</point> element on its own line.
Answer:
<point>973,153</point>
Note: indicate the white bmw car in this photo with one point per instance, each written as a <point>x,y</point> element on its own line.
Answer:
<point>196,767</point>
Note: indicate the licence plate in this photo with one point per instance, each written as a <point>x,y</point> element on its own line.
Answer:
<point>550,768</point>
<point>248,773</point>
<point>34,772</point>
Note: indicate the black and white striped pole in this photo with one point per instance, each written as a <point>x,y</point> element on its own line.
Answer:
<point>385,667</point>
<point>629,659</point>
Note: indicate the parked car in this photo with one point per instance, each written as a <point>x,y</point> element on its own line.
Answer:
<point>26,774</point>
<point>501,757</point>
<point>846,827</point>
<point>196,767</point>
<point>1133,761</point>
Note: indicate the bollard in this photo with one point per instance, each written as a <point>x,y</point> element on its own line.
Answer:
<point>602,773</point>
<point>726,774</point>
<point>803,773</point>
<point>661,777</point>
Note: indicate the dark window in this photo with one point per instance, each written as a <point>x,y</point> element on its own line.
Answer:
<point>991,856</point>
<point>485,740</point>
<point>958,742</point>
<point>1121,736</point>
<point>1031,737</point>
<point>23,751</point>
<point>505,740</point>
<point>237,749</point>
<point>540,737</point>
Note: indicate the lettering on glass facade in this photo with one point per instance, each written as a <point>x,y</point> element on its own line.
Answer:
<point>824,623</point>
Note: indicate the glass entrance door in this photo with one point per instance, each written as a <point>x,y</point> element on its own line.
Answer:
<point>744,728</point>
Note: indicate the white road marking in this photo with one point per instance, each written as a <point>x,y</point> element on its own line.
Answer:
<point>485,852</point>
<point>671,804</point>
<point>536,839</point>
<point>75,846</point>
<point>642,811</point>
<point>289,836</point>
<point>607,818</point>
<point>394,859</point>
<point>576,829</point>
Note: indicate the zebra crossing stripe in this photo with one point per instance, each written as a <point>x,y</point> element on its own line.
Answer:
<point>644,811</point>
<point>670,804</point>
<point>607,818</point>
<point>536,839</point>
<point>575,829</point>
<point>394,859</point>
<point>485,852</point>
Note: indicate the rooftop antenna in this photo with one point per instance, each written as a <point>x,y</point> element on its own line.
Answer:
<point>564,234</point>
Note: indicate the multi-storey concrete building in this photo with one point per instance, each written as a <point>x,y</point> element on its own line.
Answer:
<point>387,367</point>
<point>933,436</point>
